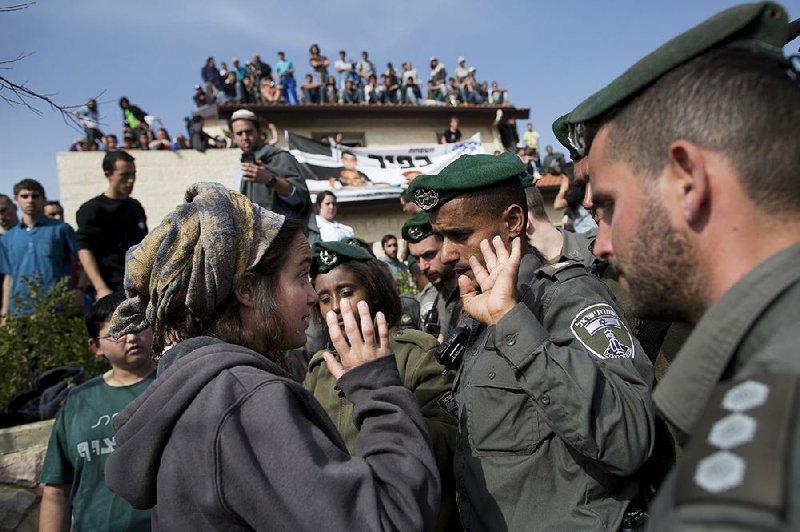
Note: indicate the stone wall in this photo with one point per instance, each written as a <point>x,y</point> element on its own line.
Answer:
<point>22,451</point>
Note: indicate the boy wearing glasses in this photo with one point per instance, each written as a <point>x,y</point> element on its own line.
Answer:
<point>73,472</point>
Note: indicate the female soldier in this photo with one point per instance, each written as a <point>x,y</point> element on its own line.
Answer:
<point>343,271</point>
<point>224,439</point>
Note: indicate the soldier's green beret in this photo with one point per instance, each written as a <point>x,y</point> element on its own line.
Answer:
<point>468,172</point>
<point>527,181</point>
<point>561,131</point>
<point>417,228</point>
<point>760,26</point>
<point>358,242</point>
<point>325,256</point>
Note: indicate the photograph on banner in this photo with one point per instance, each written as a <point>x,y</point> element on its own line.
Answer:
<point>357,174</point>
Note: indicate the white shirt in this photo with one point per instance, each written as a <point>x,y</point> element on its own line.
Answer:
<point>333,231</point>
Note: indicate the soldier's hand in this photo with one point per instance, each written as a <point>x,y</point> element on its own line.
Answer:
<point>498,281</point>
<point>360,345</point>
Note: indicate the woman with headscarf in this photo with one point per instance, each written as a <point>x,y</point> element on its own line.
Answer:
<point>225,439</point>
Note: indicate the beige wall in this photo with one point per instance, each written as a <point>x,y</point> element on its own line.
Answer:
<point>371,220</point>
<point>162,179</point>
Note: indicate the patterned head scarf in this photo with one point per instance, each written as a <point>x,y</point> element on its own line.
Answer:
<point>194,258</point>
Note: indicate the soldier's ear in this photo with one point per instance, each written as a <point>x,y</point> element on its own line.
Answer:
<point>688,179</point>
<point>514,217</point>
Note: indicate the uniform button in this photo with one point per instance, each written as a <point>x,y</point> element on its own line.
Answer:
<point>511,339</point>
<point>492,374</point>
<point>544,399</point>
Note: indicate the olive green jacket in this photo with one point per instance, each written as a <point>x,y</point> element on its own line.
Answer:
<point>748,478</point>
<point>577,247</point>
<point>422,375</point>
<point>554,414</point>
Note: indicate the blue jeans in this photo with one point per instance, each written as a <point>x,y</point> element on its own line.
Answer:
<point>468,96</point>
<point>289,90</point>
<point>409,95</point>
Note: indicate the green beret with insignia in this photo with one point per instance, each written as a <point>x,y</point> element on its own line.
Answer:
<point>417,228</point>
<point>761,26</point>
<point>468,172</point>
<point>561,131</point>
<point>325,256</point>
<point>358,242</point>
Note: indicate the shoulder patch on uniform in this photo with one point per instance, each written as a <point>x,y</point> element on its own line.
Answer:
<point>561,271</point>
<point>599,328</point>
<point>741,445</point>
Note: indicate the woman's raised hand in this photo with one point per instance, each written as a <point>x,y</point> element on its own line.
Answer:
<point>355,346</point>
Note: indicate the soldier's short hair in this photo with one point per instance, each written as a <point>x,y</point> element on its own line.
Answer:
<point>731,101</point>
<point>536,204</point>
<point>493,200</point>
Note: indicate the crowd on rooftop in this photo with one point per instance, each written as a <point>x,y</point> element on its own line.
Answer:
<point>344,81</point>
<point>143,131</point>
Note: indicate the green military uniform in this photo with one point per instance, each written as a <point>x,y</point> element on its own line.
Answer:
<point>414,352</point>
<point>577,247</point>
<point>448,299</point>
<point>732,391</point>
<point>554,400</point>
<point>427,299</point>
<point>748,336</point>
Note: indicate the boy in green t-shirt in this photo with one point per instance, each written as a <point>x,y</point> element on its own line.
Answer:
<point>75,493</point>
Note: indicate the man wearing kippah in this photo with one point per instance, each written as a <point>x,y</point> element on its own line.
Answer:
<point>271,176</point>
<point>553,391</point>
<point>694,154</point>
<point>425,245</point>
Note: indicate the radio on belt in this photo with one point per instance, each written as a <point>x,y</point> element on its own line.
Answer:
<point>451,352</point>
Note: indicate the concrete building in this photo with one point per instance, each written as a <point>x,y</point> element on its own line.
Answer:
<point>163,176</point>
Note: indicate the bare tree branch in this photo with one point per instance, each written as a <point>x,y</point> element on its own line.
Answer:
<point>20,57</point>
<point>17,7</point>
<point>19,94</point>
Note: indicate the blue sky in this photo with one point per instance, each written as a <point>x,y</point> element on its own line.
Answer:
<point>549,55</point>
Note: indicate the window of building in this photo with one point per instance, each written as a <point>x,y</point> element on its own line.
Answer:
<point>353,139</point>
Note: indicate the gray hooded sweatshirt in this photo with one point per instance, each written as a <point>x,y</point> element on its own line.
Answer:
<point>225,440</point>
